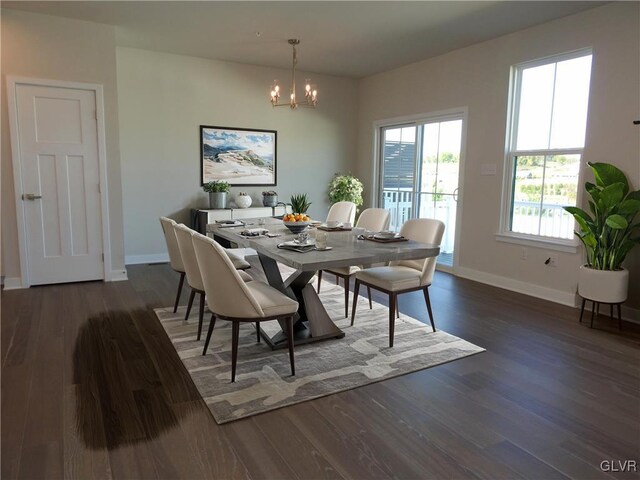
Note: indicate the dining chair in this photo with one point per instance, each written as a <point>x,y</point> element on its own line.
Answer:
<point>236,301</point>
<point>372,219</point>
<point>404,276</point>
<point>175,259</point>
<point>343,212</point>
<point>194,277</point>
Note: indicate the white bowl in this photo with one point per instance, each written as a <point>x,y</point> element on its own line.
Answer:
<point>333,224</point>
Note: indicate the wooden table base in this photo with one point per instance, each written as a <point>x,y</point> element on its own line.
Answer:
<point>312,323</point>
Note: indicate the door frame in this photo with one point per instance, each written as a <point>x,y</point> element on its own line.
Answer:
<point>416,119</point>
<point>12,83</point>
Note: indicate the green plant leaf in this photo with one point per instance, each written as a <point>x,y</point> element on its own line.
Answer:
<point>629,206</point>
<point>617,222</point>
<point>586,227</point>
<point>635,195</point>
<point>300,203</point>
<point>578,212</point>
<point>611,195</point>
<point>607,174</point>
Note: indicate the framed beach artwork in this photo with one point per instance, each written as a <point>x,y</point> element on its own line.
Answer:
<point>240,156</point>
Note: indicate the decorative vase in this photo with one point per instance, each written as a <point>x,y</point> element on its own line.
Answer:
<point>603,286</point>
<point>217,200</point>
<point>243,200</point>
<point>269,200</point>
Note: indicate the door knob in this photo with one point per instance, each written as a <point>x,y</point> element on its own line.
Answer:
<point>30,196</point>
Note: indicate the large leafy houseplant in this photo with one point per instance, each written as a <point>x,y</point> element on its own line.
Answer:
<point>346,188</point>
<point>607,233</point>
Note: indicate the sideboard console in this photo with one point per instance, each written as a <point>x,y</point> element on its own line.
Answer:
<point>200,217</point>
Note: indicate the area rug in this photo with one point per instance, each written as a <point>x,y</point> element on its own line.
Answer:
<point>263,378</point>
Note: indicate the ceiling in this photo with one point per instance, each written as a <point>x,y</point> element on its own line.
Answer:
<point>352,39</point>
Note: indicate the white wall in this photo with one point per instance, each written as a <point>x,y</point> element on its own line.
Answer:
<point>164,98</point>
<point>42,46</point>
<point>477,77</point>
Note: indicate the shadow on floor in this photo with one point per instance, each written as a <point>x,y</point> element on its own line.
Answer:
<point>124,385</point>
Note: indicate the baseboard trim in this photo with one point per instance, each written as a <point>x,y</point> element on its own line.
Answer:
<point>12,283</point>
<point>118,276</point>
<point>154,258</point>
<point>537,291</point>
<point>564,298</point>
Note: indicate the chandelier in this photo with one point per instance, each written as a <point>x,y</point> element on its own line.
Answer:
<point>310,94</point>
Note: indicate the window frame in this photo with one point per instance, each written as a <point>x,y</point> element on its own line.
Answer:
<point>505,234</point>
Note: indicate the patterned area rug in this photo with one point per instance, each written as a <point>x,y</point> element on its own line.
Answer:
<point>263,379</point>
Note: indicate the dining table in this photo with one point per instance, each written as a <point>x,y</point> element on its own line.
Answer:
<point>312,322</point>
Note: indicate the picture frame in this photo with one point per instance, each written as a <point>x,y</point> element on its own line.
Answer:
<point>240,156</point>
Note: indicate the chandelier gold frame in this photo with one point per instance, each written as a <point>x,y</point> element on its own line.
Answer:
<point>310,92</point>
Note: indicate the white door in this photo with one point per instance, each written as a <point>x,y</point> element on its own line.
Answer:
<point>58,148</point>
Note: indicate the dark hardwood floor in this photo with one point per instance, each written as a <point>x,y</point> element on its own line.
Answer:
<point>92,388</point>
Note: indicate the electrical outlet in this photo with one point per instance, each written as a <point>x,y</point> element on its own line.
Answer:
<point>523,254</point>
<point>553,261</point>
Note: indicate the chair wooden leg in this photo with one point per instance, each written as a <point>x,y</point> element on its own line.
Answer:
<point>191,297</point>
<point>593,312</point>
<point>290,345</point>
<point>369,295</point>
<point>258,331</point>
<point>209,332</point>
<point>584,300</point>
<point>200,315</point>
<point>319,279</point>
<point>356,289</point>
<point>346,297</point>
<point>337,280</point>
<point>393,299</point>
<point>397,309</point>
<point>235,334</point>
<point>175,307</point>
<point>619,317</point>
<point>428,302</point>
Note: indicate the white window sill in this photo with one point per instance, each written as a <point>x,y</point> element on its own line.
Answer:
<point>547,243</point>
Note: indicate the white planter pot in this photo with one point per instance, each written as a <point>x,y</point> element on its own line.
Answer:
<point>604,286</point>
<point>243,201</point>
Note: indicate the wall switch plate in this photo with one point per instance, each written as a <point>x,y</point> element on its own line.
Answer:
<point>553,261</point>
<point>523,254</point>
<point>488,169</point>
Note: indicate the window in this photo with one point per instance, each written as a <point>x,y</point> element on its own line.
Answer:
<point>545,143</point>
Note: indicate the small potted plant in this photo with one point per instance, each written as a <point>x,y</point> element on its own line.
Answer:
<point>606,234</point>
<point>217,191</point>
<point>270,198</point>
<point>298,221</point>
<point>300,203</point>
<point>346,188</point>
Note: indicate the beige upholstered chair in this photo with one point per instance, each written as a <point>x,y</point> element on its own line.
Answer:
<point>342,212</point>
<point>375,220</point>
<point>175,260</point>
<point>236,301</point>
<point>194,278</point>
<point>404,275</point>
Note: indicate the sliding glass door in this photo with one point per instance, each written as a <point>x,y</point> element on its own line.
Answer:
<point>420,168</point>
